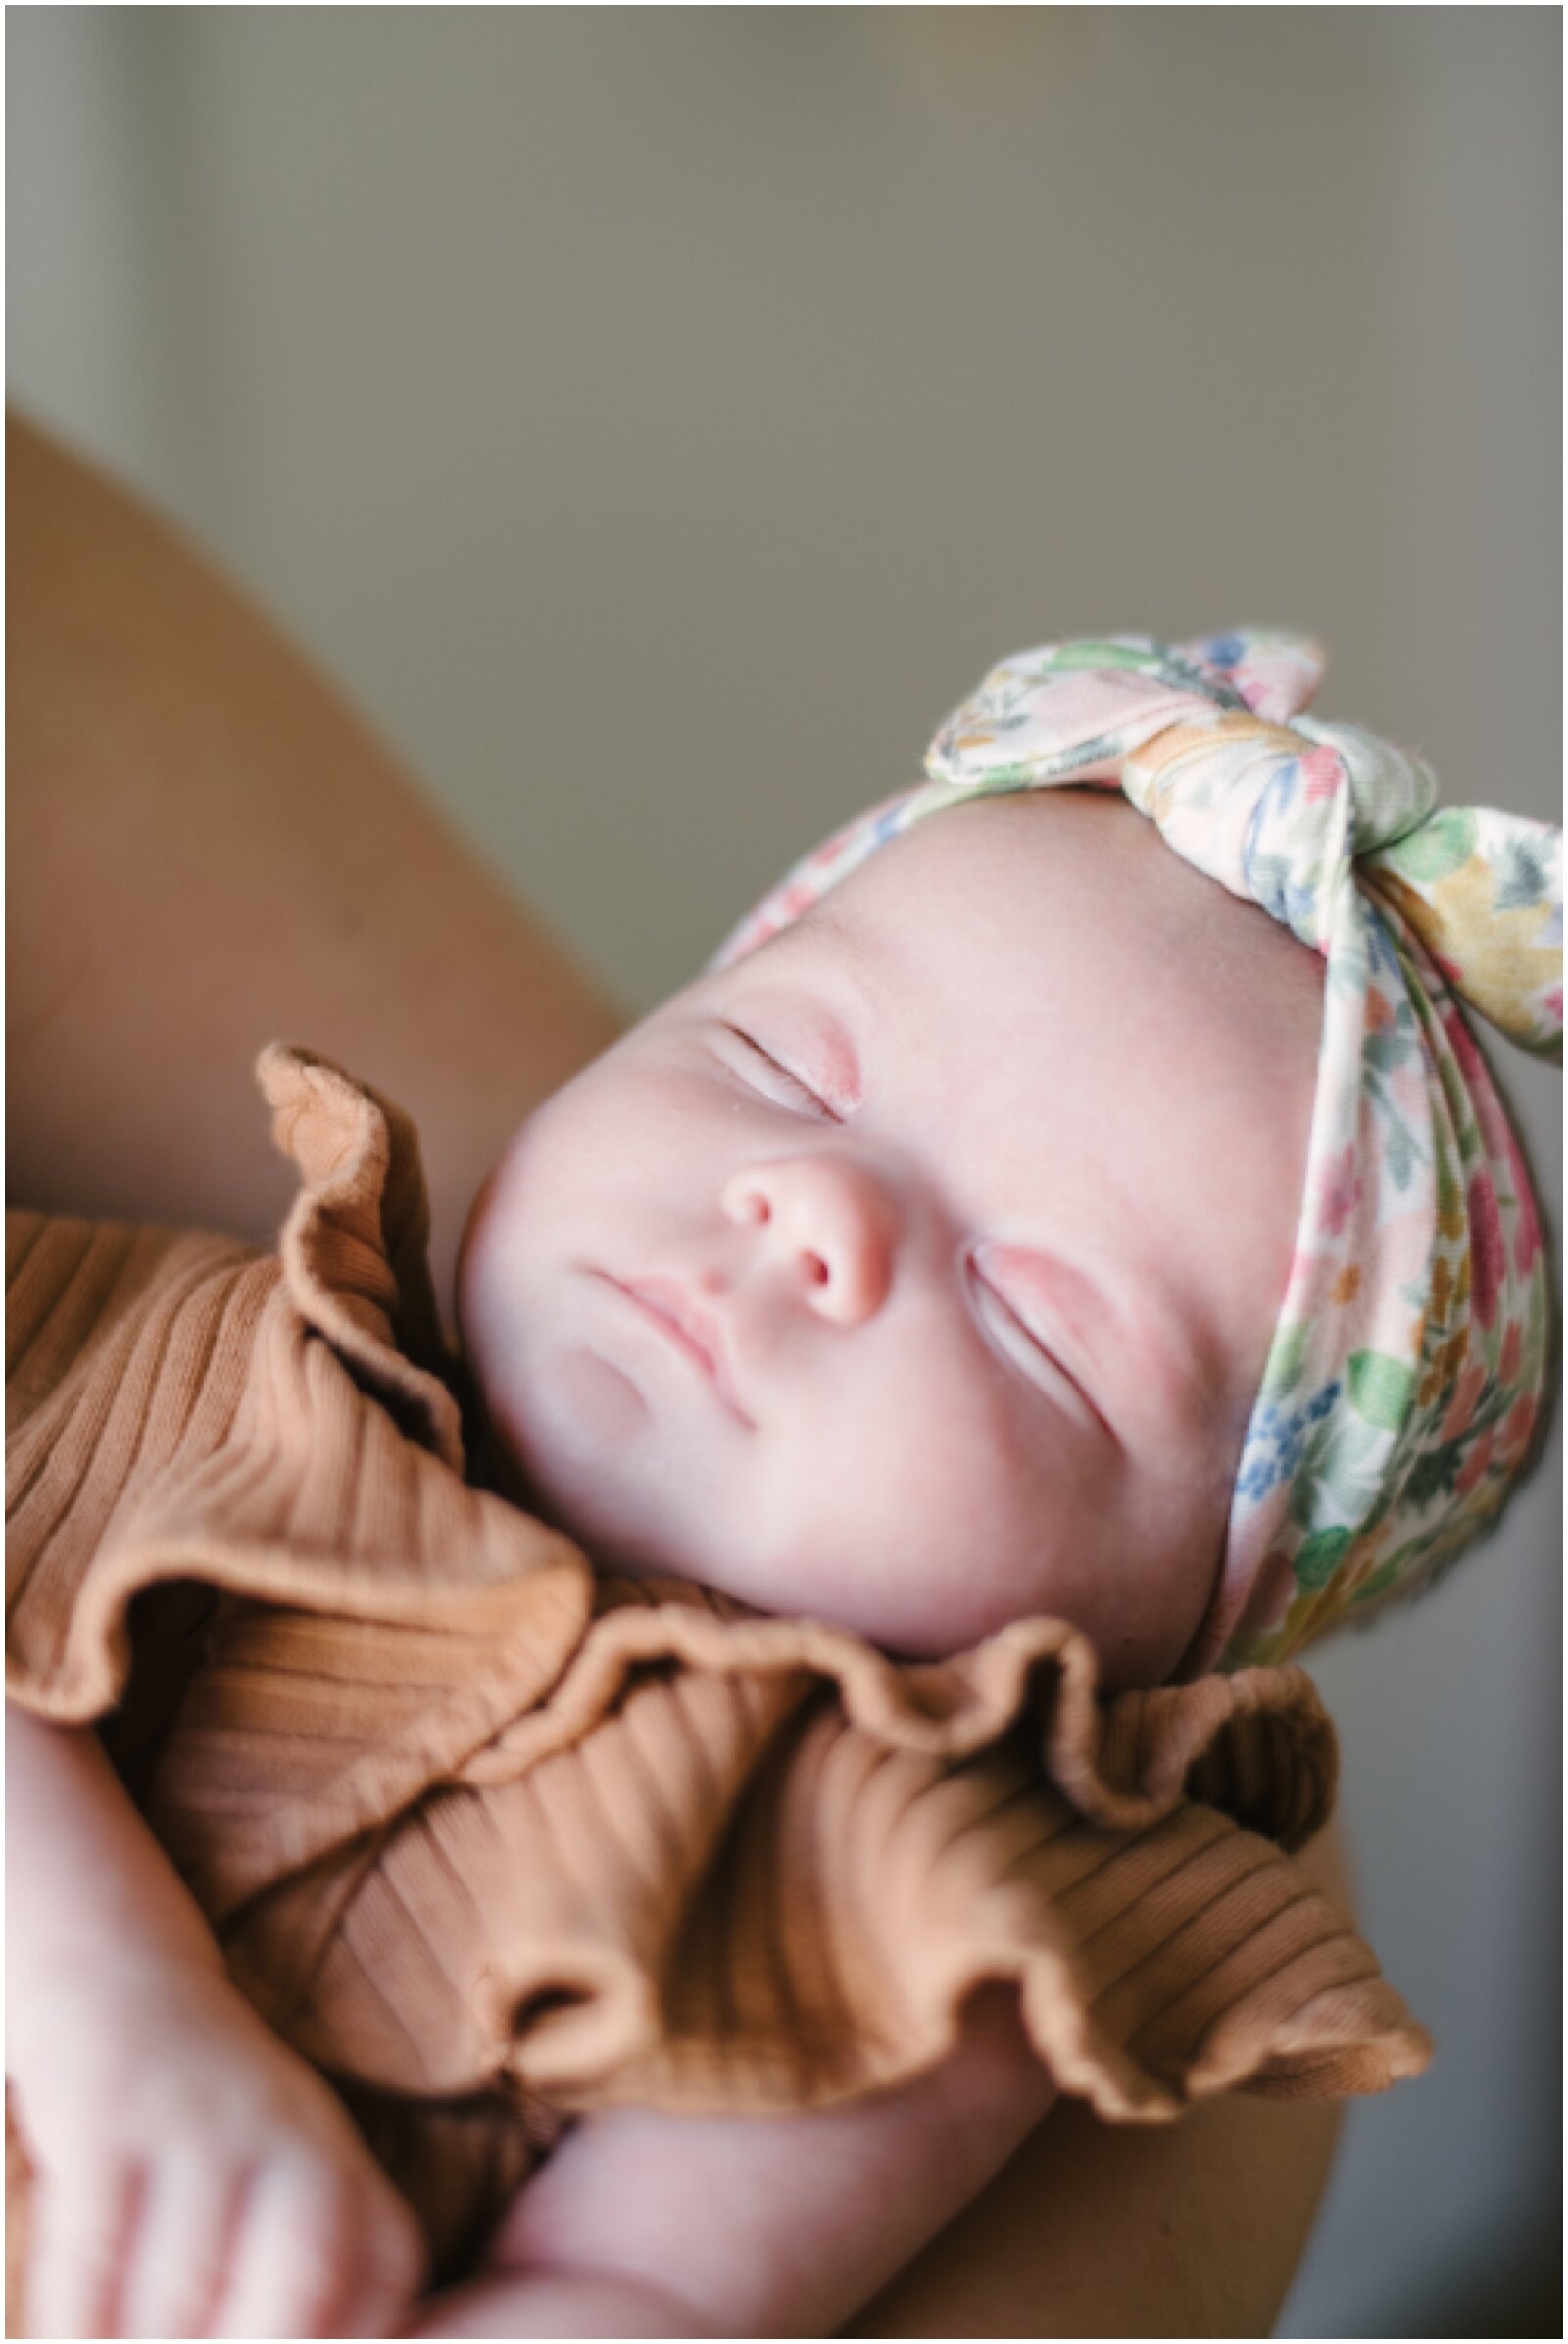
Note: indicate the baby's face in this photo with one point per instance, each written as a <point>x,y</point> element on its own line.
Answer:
<point>976,1189</point>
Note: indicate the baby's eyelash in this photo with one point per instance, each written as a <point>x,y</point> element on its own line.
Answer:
<point>801,1089</point>
<point>1019,1330</point>
<point>998,1301</point>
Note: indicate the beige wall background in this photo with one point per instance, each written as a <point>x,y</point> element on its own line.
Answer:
<point>658,418</point>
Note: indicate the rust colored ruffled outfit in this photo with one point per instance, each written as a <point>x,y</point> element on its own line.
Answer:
<point>494,1840</point>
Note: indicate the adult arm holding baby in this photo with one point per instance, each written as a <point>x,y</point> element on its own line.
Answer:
<point>186,796</point>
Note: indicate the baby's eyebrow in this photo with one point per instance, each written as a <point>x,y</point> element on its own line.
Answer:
<point>855,966</point>
<point>865,963</point>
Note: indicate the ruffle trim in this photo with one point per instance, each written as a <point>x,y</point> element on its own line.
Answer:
<point>468,1817</point>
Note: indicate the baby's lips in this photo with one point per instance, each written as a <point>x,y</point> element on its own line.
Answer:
<point>696,1331</point>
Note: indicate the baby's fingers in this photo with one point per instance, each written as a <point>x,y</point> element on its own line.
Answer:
<point>320,2254</point>
<point>393,2262</point>
<point>179,2266</point>
<point>80,2235</point>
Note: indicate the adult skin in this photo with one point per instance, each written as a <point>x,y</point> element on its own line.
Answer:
<point>208,850</point>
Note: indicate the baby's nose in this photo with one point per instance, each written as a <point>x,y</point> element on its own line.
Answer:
<point>831,1220</point>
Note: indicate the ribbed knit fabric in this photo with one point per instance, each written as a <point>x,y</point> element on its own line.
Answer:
<point>492,1840</point>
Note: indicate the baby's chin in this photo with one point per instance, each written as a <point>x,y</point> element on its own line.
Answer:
<point>468,1271</point>
<point>498,1463</point>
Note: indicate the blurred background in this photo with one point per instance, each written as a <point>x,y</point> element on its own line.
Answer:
<point>657,418</point>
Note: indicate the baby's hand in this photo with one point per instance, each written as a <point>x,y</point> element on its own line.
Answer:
<point>192,2175</point>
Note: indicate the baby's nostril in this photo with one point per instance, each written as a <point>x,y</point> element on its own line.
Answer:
<point>816,1269</point>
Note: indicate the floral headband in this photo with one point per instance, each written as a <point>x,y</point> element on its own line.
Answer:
<point>1410,1353</point>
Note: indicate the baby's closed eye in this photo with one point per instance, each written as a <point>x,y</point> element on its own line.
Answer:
<point>1011,1330</point>
<point>758,1067</point>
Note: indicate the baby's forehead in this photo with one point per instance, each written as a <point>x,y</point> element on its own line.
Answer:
<point>998,867</point>
<point>1031,888</point>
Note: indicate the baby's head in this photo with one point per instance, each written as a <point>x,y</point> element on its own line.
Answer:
<point>920,1266</point>
<point>980,1180</point>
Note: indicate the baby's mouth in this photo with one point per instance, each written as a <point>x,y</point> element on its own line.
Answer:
<point>667,1305</point>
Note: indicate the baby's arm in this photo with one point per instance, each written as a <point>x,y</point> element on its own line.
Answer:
<point>665,2225</point>
<point>190,2175</point>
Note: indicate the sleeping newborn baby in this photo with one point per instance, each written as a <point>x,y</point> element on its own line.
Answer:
<point>917,1270</point>
<point>935,1258</point>
<point>1075,1237</point>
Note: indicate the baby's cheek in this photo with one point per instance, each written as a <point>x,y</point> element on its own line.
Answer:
<point>924,1544</point>
<point>1167,1563</point>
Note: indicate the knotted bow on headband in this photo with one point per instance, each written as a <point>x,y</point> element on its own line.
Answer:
<point>1411,1353</point>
